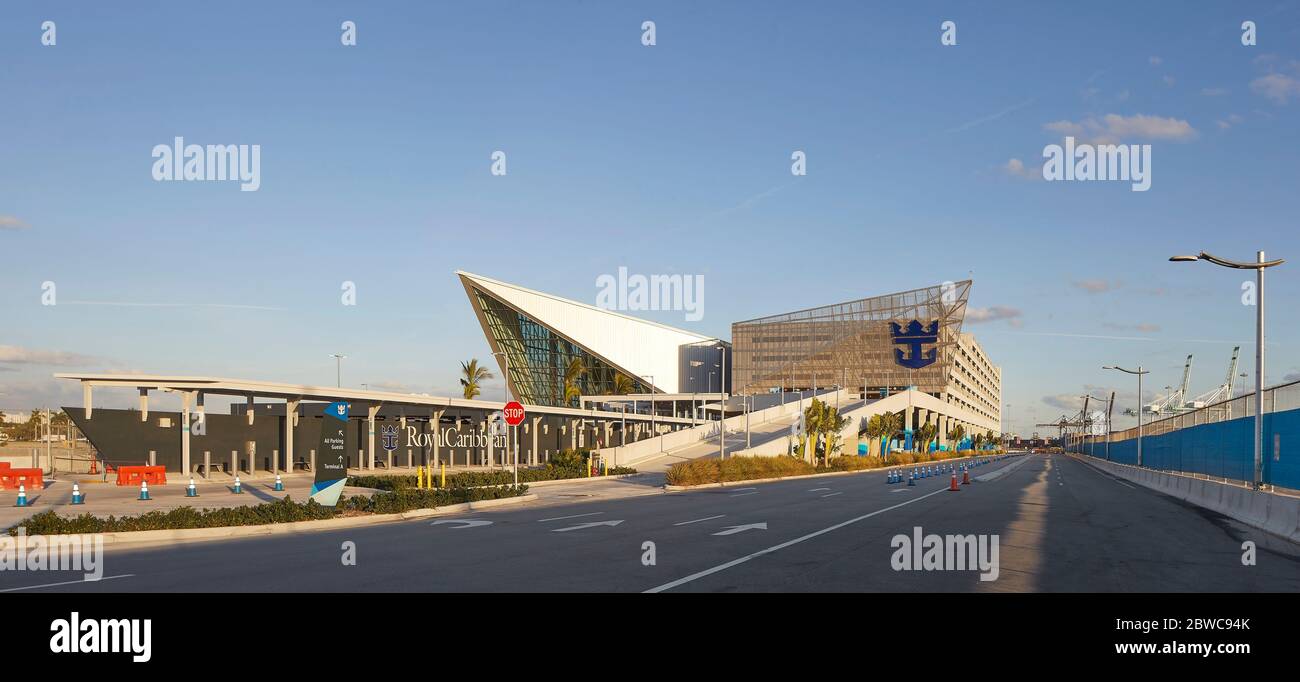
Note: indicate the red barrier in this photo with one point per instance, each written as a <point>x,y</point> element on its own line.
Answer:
<point>4,466</point>
<point>133,475</point>
<point>11,478</point>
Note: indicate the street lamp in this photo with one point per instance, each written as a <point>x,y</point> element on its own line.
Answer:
<point>338,368</point>
<point>1258,266</point>
<point>653,431</point>
<point>722,403</point>
<point>505,390</point>
<point>1139,372</point>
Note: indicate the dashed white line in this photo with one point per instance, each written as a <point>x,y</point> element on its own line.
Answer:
<point>814,490</point>
<point>833,494</point>
<point>744,494</point>
<point>707,518</point>
<point>575,516</point>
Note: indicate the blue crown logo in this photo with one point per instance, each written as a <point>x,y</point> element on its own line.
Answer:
<point>914,337</point>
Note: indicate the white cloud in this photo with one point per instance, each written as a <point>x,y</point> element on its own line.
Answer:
<point>991,314</point>
<point>28,356</point>
<point>1095,286</point>
<point>8,222</point>
<point>1112,128</point>
<point>1278,87</point>
<point>1016,168</point>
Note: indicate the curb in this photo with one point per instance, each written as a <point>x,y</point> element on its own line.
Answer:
<point>229,532</point>
<point>681,488</point>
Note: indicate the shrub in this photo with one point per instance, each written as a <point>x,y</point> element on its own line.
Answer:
<point>563,465</point>
<point>697,471</point>
<point>280,511</point>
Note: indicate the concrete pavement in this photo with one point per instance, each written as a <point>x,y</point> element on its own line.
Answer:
<point>1062,526</point>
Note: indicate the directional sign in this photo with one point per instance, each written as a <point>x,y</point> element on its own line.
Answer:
<point>514,413</point>
<point>588,525</point>
<point>465,523</point>
<point>732,530</point>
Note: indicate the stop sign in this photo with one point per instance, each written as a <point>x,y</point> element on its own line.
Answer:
<point>514,413</point>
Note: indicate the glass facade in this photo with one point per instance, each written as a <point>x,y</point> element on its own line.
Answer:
<point>540,358</point>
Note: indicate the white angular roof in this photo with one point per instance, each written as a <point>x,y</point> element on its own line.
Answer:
<point>638,347</point>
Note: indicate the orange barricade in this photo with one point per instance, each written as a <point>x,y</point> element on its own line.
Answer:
<point>4,466</point>
<point>133,475</point>
<point>11,478</point>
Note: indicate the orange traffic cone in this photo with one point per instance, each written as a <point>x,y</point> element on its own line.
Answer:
<point>953,487</point>
<point>965,477</point>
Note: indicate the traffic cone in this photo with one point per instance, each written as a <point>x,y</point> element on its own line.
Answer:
<point>22,496</point>
<point>952,487</point>
<point>238,488</point>
<point>191,491</point>
<point>911,480</point>
<point>77,497</point>
<point>144,490</point>
<point>965,478</point>
<point>279,485</point>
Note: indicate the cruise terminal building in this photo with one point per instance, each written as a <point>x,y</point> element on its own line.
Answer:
<point>629,388</point>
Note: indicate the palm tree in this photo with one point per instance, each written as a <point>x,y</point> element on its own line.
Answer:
<point>472,377</point>
<point>923,436</point>
<point>875,428</point>
<point>573,374</point>
<point>832,424</point>
<point>623,384</point>
<point>957,433</point>
<point>891,428</point>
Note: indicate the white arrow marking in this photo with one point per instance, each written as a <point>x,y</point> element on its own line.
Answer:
<point>468,523</point>
<point>732,530</point>
<point>588,525</point>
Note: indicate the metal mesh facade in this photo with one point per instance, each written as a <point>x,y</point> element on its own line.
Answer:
<point>850,344</point>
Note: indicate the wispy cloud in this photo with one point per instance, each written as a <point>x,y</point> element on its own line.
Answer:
<point>1095,286</point>
<point>1278,87</point>
<point>31,356</point>
<point>8,222</point>
<point>1114,128</point>
<point>1016,168</point>
<point>1143,327</point>
<point>152,304</point>
<point>991,117</point>
<point>991,314</point>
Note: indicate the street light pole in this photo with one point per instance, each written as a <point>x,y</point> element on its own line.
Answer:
<point>722,404</point>
<point>338,368</point>
<point>505,390</point>
<point>1258,266</point>
<point>1139,372</point>
<point>653,430</point>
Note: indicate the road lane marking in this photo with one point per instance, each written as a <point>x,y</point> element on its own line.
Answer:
<point>707,518</point>
<point>468,523</point>
<point>744,494</point>
<point>732,530</point>
<point>1101,473</point>
<point>591,524</point>
<point>832,494</point>
<point>575,516</point>
<point>736,490</point>
<point>68,582</point>
<point>775,548</point>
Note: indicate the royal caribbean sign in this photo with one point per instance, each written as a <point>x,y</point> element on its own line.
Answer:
<point>331,459</point>
<point>915,336</point>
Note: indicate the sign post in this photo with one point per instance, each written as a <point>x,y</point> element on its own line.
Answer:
<point>331,471</point>
<point>514,416</point>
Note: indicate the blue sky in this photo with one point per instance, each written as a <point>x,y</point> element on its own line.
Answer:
<point>666,159</point>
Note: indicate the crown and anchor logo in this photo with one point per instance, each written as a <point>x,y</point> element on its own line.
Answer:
<point>914,336</point>
<point>388,433</point>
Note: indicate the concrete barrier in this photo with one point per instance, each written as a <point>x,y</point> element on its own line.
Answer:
<point>1269,512</point>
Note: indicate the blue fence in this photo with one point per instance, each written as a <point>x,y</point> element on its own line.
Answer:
<point>1223,449</point>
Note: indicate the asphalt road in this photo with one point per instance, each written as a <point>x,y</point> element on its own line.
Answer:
<point>1061,526</point>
